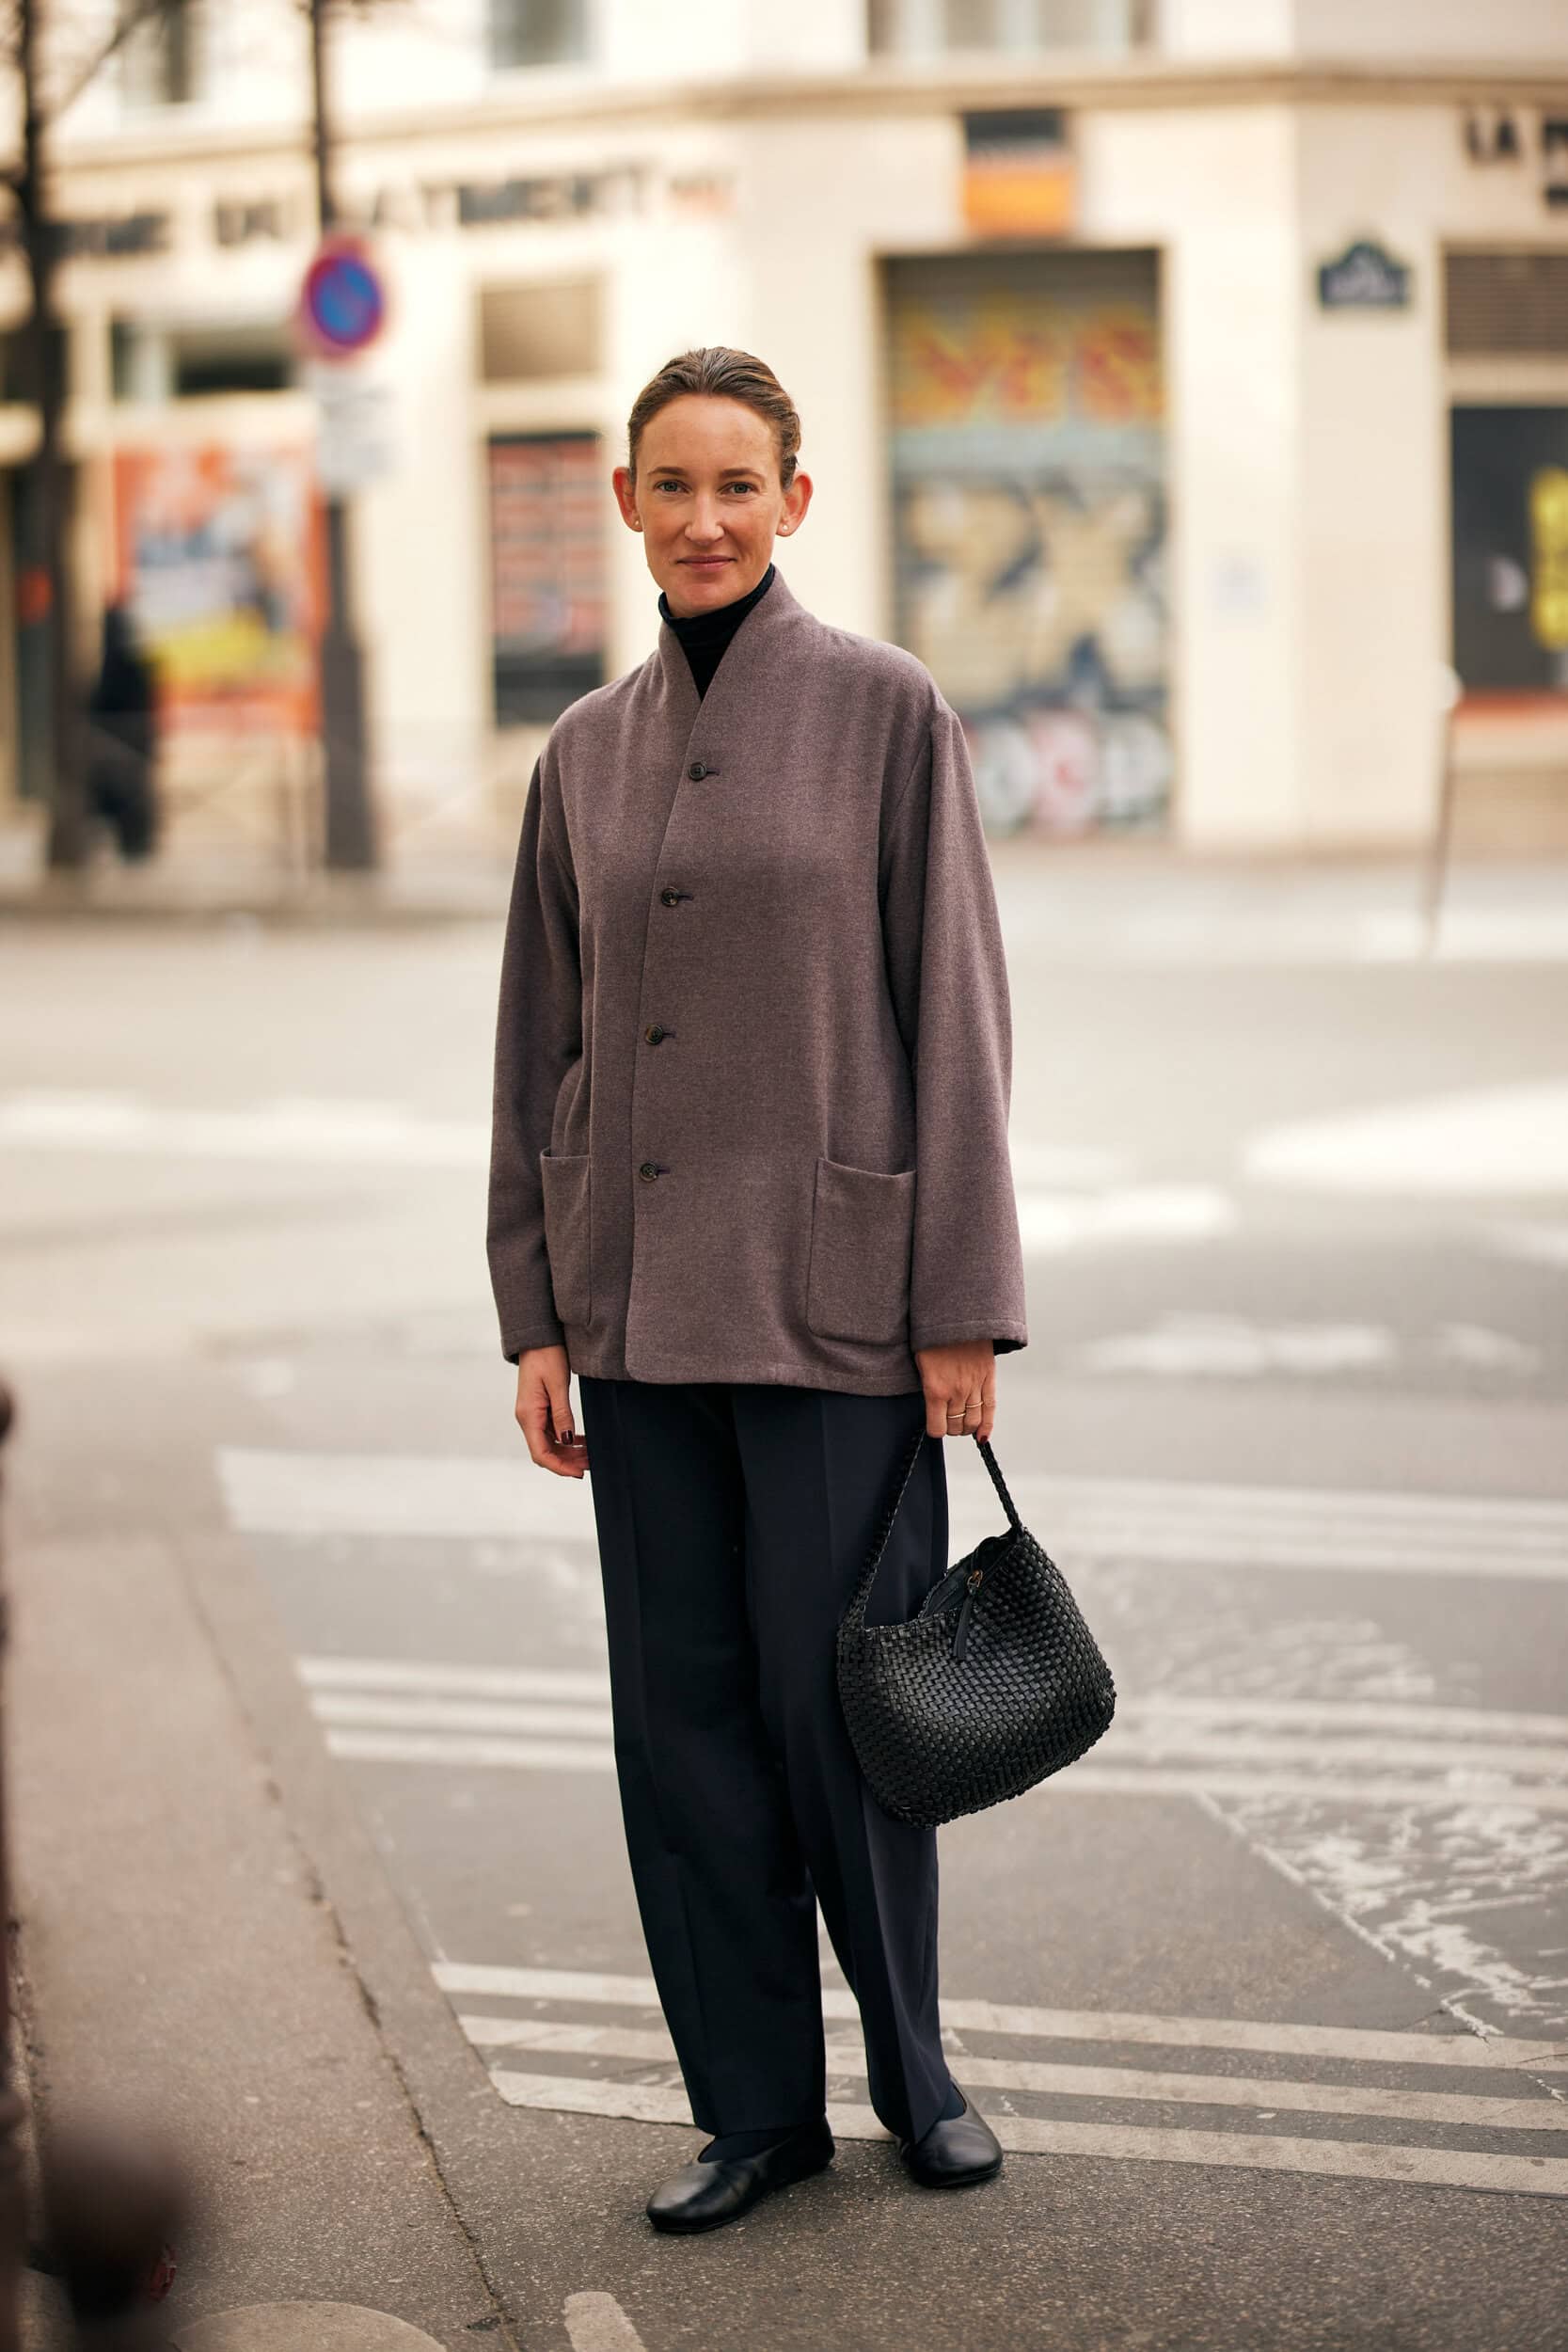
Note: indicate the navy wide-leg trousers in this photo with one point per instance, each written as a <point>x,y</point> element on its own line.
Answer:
<point>734,1523</point>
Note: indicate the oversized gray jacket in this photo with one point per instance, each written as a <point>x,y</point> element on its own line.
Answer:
<point>754,1043</point>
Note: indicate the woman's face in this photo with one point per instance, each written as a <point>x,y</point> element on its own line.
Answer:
<point>707,501</point>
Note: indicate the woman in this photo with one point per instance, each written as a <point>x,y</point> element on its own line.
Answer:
<point>750,1181</point>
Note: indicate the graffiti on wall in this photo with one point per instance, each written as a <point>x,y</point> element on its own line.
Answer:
<point>1030,535</point>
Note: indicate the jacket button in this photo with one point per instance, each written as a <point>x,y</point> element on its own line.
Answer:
<point>647,1171</point>
<point>696,771</point>
<point>670,898</point>
<point>654,1033</point>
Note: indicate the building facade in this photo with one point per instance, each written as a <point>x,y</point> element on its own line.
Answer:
<point>1187,381</point>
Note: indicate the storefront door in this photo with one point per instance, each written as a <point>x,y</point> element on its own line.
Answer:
<point>1511,549</point>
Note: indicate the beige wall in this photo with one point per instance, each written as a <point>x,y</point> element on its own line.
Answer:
<point>1307,451</point>
<point>1475,32</point>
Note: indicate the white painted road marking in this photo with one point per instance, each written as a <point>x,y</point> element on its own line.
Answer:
<point>418,1674</point>
<point>1494,2054</point>
<point>1052,1222</point>
<point>367,1708</point>
<point>435,1747</point>
<point>1479,1792</point>
<point>1512,2170</point>
<point>292,1127</point>
<point>1334,2159</point>
<point>1181,1747</point>
<point>596,2322</point>
<point>1067,1200</point>
<point>1138,1735</point>
<point>649,2045</point>
<point>1172,1521</point>
<point>1511,1140</point>
<point>590,1685</point>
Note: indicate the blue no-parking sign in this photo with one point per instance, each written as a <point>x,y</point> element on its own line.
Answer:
<point>342,302</point>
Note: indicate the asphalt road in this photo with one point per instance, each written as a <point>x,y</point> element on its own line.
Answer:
<point>1268,1998</point>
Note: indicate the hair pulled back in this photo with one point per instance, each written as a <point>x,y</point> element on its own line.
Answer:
<point>721,374</point>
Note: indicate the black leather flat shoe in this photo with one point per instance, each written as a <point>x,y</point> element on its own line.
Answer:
<point>956,2151</point>
<point>702,2196</point>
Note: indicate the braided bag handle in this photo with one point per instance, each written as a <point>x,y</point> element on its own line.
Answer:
<point>855,1614</point>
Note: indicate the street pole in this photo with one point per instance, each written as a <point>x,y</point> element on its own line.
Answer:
<point>1440,841</point>
<point>46,512</point>
<point>13,2227</point>
<point>350,830</point>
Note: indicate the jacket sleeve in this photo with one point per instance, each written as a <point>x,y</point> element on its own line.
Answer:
<point>948,977</point>
<point>538,1037</point>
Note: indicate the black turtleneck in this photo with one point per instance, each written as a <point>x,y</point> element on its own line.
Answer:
<point>704,636</point>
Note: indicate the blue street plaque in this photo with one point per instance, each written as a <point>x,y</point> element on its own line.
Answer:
<point>1366,277</point>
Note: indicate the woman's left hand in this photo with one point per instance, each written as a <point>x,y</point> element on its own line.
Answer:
<point>960,1388</point>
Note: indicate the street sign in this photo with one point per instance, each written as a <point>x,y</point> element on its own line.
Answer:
<point>354,442</point>
<point>1366,277</point>
<point>342,302</point>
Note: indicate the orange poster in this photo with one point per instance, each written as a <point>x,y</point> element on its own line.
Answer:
<point>221,555</point>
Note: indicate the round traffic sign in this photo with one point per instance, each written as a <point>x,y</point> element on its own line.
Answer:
<point>342,303</point>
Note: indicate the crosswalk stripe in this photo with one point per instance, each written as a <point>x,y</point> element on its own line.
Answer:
<point>477,1715</point>
<point>1217,1714</point>
<point>400,1673</point>
<point>1333,1715</point>
<point>653,2046</point>
<point>494,1752</point>
<point>1494,2054</point>
<point>596,2322</point>
<point>439,1747</point>
<point>1172,1522</point>
<point>1537,1517</point>
<point>1335,2159</point>
<point>1135,1737</point>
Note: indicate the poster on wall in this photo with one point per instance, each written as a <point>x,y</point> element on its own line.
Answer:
<point>1027,447</point>
<point>547,584</point>
<point>221,555</point>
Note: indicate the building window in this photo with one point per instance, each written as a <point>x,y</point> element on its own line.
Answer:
<point>547,583</point>
<point>157,363</point>
<point>161,58</point>
<point>1502,304</point>
<point>928,28</point>
<point>537,32</point>
<point>537,334</point>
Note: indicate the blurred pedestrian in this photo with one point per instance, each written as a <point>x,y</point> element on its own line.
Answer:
<point>123,738</point>
<point>750,1180</point>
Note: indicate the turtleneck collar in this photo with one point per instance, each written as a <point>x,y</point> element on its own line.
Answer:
<point>703,636</point>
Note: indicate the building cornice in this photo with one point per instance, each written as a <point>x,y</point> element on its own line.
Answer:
<point>885,87</point>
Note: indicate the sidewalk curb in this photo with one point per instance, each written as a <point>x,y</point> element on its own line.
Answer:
<point>176,1944</point>
<point>439,2071</point>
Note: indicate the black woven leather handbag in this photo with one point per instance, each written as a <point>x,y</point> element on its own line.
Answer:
<point>996,1682</point>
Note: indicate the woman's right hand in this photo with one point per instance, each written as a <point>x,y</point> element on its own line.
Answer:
<point>545,1411</point>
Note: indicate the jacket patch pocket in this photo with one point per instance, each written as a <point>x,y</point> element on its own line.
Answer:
<point>862,1229</point>
<point>567,1196</point>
